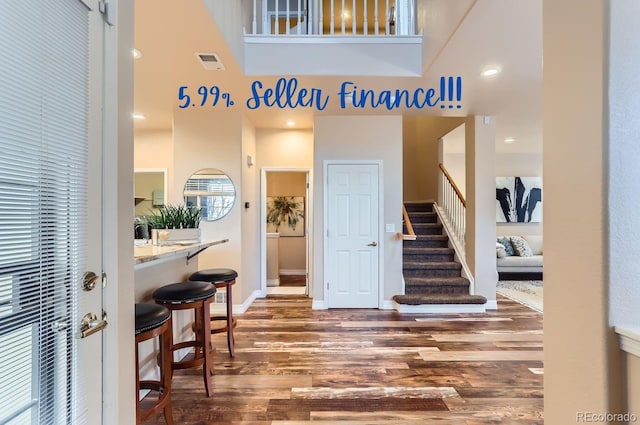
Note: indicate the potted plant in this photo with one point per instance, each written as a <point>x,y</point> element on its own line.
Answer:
<point>174,224</point>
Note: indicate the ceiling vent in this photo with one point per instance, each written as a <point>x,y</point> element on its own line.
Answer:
<point>210,61</point>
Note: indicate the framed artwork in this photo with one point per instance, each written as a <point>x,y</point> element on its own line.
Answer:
<point>285,215</point>
<point>518,199</point>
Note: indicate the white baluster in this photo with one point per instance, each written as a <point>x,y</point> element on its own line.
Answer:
<point>377,22</point>
<point>254,24</point>
<point>333,17</point>
<point>288,21</point>
<point>354,18</point>
<point>277,19</point>
<point>299,21</point>
<point>342,21</point>
<point>387,28</point>
<point>365,24</point>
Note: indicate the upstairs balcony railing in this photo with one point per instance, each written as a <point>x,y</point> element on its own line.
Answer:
<point>333,17</point>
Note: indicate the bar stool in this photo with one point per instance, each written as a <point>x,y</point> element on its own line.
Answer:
<point>153,320</point>
<point>221,278</point>
<point>197,296</point>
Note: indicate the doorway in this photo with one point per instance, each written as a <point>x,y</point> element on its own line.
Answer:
<point>285,218</point>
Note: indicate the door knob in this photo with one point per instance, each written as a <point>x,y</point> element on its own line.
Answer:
<point>90,324</point>
<point>374,243</point>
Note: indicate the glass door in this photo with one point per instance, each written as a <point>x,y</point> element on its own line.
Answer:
<point>50,212</point>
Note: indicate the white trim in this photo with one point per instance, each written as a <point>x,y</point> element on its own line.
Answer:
<point>491,305</point>
<point>273,282</point>
<point>318,305</point>
<point>381,232</point>
<point>458,250</point>
<point>629,339</point>
<point>388,305</point>
<point>263,224</point>
<point>440,308</point>
<point>292,272</point>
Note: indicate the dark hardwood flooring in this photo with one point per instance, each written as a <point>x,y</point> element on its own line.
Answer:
<point>294,365</point>
<point>293,280</point>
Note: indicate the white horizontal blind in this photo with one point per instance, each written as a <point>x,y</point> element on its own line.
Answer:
<point>43,189</point>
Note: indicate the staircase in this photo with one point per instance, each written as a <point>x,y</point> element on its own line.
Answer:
<point>432,276</point>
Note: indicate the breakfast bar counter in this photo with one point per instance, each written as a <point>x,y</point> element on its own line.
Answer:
<point>145,254</point>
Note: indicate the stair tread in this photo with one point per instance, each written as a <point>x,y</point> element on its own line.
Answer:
<point>417,299</point>
<point>428,250</point>
<point>420,281</point>
<point>433,264</point>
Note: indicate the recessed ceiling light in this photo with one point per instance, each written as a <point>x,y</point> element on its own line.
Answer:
<point>291,123</point>
<point>137,54</point>
<point>510,140</point>
<point>137,116</point>
<point>489,72</point>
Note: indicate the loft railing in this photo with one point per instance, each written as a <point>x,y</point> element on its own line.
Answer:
<point>454,209</point>
<point>333,17</point>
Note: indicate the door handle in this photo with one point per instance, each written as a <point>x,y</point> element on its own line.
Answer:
<point>374,243</point>
<point>90,325</point>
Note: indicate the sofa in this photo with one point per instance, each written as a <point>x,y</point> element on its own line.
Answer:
<point>519,257</point>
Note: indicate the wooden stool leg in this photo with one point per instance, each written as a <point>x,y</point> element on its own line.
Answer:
<point>230,339</point>
<point>207,352</point>
<point>166,341</point>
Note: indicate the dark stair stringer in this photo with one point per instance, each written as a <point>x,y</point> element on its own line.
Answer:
<point>431,274</point>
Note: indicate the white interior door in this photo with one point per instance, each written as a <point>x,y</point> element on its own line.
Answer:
<point>50,211</point>
<point>352,266</point>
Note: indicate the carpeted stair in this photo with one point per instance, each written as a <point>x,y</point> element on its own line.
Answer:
<point>431,274</point>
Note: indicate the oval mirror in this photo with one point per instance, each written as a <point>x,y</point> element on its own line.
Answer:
<point>212,191</point>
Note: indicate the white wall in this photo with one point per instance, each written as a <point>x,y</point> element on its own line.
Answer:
<point>206,140</point>
<point>284,148</point>
<point>624,161</point>
<point>480,134</point>
<point>362,138</point>
<point>580,353</point>
<point>250,216</point>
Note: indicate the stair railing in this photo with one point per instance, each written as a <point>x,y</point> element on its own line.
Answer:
<point>334,17</point>
<point>454,209</point>
<point>410,235</point>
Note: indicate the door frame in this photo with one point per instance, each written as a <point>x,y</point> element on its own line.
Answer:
<point>325,221</point>
<point>308,225</point>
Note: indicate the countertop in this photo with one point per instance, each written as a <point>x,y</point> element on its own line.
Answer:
<point>148,253</point>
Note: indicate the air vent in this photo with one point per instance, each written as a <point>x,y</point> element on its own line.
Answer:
<point>210,61</point>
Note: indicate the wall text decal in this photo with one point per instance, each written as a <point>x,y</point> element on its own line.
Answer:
<point>288,93</point>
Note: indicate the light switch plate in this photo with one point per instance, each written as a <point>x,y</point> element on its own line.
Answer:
<point>390,228</point>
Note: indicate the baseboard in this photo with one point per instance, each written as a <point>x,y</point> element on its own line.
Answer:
<point>273,282</point>
<point>388,305</point>
<point>318,305</point>
<point>629,339</point>
<point>237,308</point>
<point>293,272</point>
<point>491,305</point>
<point>439,308</point>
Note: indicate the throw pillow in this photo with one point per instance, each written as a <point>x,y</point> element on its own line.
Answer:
<point>521,246</point>
<point>501,253</point>
<point>507,245</point>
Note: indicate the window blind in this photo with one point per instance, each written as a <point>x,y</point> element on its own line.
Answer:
<point>43,189</point>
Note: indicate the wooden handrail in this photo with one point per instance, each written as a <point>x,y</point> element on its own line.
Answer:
<point>453,184</point>
<point>411,236</point>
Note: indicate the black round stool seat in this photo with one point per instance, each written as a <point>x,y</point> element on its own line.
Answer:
<point>214,275</point>
<point>150,316</point>
<point>184,292</point>
<point>153,320</point>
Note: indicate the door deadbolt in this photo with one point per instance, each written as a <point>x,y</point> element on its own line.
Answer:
<point>89,280</point>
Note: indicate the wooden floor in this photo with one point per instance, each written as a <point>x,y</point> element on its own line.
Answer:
<point>294,365</point>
